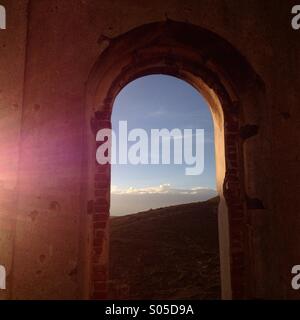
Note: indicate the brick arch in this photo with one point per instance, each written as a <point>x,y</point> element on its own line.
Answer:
<point>223,77</point>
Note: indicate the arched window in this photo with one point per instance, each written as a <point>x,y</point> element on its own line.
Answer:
<point>171,252</point>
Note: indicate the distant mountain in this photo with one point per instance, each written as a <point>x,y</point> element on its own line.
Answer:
<point>167,253</point>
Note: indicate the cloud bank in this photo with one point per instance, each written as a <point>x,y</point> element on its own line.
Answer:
<point>132,200</point>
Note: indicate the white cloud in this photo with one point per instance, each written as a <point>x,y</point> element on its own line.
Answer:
<point>164,188</point>
<point>161,189</point>
<point>131,200</point>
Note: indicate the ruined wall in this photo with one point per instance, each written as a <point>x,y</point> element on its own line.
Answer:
<point>12,65</point>
<point>63,43</point>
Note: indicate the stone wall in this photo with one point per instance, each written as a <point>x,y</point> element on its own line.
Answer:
<point>47,54</point>
<point>12,68</point>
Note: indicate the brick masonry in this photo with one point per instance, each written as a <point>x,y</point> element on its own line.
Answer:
<point>175,61</point>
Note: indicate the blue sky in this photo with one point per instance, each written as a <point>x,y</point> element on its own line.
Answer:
<point>156,102</point>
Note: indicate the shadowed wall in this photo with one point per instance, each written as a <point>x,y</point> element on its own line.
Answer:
<point>46,56</point>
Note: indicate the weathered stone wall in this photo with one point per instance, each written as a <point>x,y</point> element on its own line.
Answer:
<point>12,68</point>
<point>43,87</point>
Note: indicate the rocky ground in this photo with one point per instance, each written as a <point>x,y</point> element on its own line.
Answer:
<point>167,253</point>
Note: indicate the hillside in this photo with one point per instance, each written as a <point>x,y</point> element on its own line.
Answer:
<point>167,253</point>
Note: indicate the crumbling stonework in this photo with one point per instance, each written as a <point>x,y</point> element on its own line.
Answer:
<point>61,69</point>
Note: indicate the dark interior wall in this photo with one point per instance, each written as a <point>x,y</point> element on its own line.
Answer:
<point>63,43</point>
<point>12,61</point>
